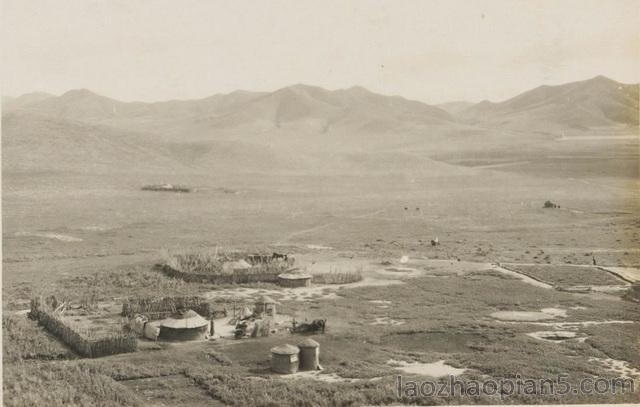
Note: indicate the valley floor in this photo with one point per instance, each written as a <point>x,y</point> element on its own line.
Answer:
<point>492,301</point>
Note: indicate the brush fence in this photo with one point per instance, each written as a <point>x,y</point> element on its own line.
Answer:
<point>256,274</point>
<point>79,341</point>
<point>160,308</point>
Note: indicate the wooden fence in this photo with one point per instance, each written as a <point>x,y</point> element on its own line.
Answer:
<point>88,347</point>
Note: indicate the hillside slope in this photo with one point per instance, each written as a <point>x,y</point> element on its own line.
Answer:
<point>596,102</point>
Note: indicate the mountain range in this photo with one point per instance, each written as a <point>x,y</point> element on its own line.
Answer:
<point>293,127</point>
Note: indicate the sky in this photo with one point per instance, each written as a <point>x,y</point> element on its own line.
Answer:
<point>433,51</point>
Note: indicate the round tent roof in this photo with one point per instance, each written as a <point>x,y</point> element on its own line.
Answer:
<point>308,343</point>
<point>285,350</point>
<point>186,320</point>
<point>294,276</point>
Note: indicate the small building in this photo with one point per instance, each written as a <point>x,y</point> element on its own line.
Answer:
<point>284,359</point>
<point>309,354</point>
<point>184,326</point>
<point>294,280</point>
<point>265,305</point>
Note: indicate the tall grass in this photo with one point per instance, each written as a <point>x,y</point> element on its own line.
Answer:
<point>337,276</point>
<point>23,339</point>
<point>62,384</point>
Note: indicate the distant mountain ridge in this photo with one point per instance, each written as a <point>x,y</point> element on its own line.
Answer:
<point>295,129</point>
<point>284,104</point>
<point>595,102</point>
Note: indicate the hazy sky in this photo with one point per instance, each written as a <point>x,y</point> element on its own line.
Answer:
<point>434,51</point>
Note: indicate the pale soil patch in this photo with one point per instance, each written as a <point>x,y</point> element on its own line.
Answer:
<point>573,325</point>
<point>386,321</point>
<point>435,369</point>
<point>224,328</point>
<point>318,375</point>
<point>620,367</point>
<point>55,236</point>
<point>527,316</point>
<point>321,292</point>
<point>94,228</point>
<point>318,247</point>
<point>380,301</point>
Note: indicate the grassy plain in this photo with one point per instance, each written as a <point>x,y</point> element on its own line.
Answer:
<point>480,215</point>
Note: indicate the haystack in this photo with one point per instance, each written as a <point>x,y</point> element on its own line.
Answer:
<point>184,326</point>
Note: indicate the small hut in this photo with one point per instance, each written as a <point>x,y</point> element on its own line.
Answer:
<point>309,354</point>
<point>284,359</point>
<point>184,326</point>
<point>265,305</point>
<point>294,280</point>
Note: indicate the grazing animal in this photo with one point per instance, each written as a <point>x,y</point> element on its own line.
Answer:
<point>278,256</point>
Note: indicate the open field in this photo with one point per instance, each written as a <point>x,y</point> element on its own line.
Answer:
<point>436,306</point>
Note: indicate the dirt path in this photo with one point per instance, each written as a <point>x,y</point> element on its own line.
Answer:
<point>302,232</point>
<point>525,278</point>
<point>629,274</point>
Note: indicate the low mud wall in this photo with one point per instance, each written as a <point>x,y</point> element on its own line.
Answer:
<point>253,275</point>
<point>92,348</point>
